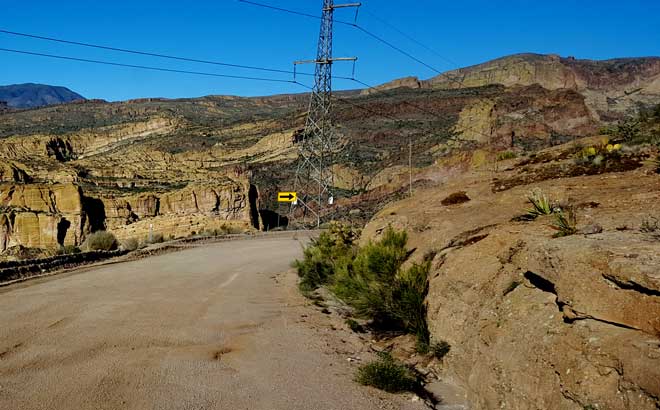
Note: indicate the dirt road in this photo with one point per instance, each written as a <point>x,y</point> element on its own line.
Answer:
<point>213,327</point>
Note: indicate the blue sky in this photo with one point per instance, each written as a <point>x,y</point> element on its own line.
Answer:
<point>463,32</point>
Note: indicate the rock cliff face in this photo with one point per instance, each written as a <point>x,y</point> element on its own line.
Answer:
<point>41,216</point>
<point>195,208</point>
<point>536,321</point>
<point>531,115</point>
<point>50,216</point>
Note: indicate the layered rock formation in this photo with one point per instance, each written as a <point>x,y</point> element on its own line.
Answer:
<point>41,216</point>
<point>190,162</point>
<point>612,87</point>
<point>536,321</point>
<point>51,216</point>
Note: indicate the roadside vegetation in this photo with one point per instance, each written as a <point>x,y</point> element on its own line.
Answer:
<point>389,374</point>
<point>370,278</point>
<point>100,241</point>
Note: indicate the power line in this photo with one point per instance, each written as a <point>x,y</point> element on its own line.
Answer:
<point>411,38</point>
<point>142,67</point>
<point>147,53</point>
<point>355,25</point>
<point>299,13</point>
<point>400,50</point>
<point>150,54</point>
<point>161,69</point>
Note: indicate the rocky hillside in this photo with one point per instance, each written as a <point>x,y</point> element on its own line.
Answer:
<point>536,319</point>
<point>612,88</point>
<point>36,95</point>
<point>183,166</point>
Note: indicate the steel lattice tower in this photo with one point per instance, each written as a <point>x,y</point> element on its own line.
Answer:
<point>318,143</point>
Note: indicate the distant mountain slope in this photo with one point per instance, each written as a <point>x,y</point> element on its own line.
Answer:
<point>36,95</point>
<point>611,87</point>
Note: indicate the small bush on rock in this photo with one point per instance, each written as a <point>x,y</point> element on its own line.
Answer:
<point>155,238</point>
<point>650,225</point>
<point>440,349</point>
<point>100,241</point>
<point>130,244</point>
<point>502,156</point>
<point>68,250</point>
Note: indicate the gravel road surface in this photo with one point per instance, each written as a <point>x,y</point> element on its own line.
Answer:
<point>218,326</point>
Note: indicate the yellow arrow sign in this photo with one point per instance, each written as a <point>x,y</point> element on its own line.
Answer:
<point>287,197</point>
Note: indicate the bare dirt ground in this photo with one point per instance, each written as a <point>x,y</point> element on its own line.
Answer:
<point>218,326</point>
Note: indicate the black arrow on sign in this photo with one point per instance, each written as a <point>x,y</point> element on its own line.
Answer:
<point>290,196</point>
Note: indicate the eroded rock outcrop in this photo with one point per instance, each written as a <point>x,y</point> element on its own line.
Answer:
<point>194,208</point>
<point>50,216</point>
<point>536,321</point>
<point>41,216</point>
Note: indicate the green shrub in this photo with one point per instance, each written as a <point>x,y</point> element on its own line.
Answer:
<point>387,374</point>
<point>422,347</point>
<point>354,326</point>
<point>440,349</point>
<point>333,248</point>
<point>68,250</point>
<point>130,244</point>
<point>565,223</point>
<point>374,284</point>
<point>370,279</point>
<point>407,300</point>
<point>502,156</point>
<point>100,241</point>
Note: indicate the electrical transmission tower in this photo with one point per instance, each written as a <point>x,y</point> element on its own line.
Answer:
<point>318,144</point>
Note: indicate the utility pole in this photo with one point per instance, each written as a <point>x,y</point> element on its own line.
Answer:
<point>410,161</point>
<point>314,176</point>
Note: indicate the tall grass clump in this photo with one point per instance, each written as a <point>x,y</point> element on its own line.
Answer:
<point>100,241</point>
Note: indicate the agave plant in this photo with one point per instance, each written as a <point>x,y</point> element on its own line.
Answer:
<point>565,223</point>
<point>541,205</point>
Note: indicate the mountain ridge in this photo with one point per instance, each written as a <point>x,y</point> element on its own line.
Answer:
<point>33,95</point>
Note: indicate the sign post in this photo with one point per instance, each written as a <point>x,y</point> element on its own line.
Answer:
<point>291,197</point>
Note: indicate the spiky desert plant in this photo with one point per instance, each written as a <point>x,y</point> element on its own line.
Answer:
<point>541,205</point>
<point>565,223</point>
